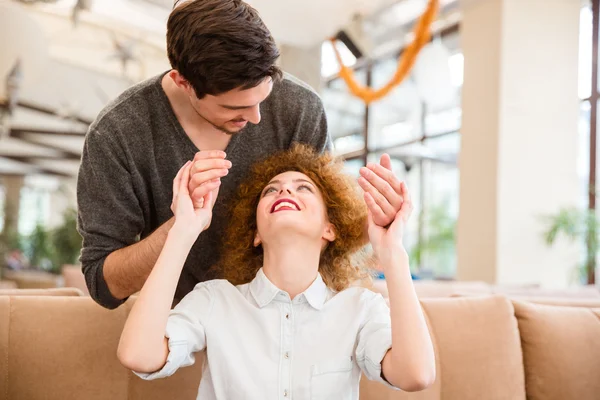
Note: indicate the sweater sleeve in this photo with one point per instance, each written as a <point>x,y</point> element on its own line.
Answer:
<point>109,212</point>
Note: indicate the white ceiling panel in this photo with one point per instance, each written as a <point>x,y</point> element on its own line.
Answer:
<point>15,147</point>
<point>73,144</point>
<point>8,167</point>
<point>29,119</point>
<point>66,167</point>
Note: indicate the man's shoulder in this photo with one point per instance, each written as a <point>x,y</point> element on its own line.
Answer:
<point>292,97</point>
<point>134,102</point>
<point>292,89</point>
<point>297,84</point>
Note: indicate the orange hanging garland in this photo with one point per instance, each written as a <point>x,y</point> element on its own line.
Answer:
<point>422,33</point>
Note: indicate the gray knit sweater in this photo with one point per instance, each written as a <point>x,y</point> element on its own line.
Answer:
<point>132,153</point>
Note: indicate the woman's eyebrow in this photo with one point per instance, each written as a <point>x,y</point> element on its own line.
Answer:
<point>302,180</point>
<point>295,181</point>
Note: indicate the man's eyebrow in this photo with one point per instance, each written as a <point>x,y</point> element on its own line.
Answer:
<point>230,107</point>
<point>236,107</point>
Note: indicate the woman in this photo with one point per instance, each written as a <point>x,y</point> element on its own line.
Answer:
<point>293,326</point>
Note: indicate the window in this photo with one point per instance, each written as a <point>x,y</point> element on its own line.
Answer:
<point>422,139</point>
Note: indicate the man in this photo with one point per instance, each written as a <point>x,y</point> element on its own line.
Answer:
<point>225,104</point>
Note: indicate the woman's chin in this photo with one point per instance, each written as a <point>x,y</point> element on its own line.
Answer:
<point>289,229</point>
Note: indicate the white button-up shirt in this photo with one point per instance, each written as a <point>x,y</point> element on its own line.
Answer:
<point>260,344</point>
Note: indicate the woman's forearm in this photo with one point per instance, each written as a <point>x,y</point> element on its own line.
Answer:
<point>143,346</point>
<point>410,364</point>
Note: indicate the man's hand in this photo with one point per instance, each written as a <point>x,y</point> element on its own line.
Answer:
<point>384,188</point>
<point>387,242</point>
<point>206,167</point>
<point>190,219</point>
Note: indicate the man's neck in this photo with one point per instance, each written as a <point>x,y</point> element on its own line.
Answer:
<point>200,131</point>
<point>292,266</point>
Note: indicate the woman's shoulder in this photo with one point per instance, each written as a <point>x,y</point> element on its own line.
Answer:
<point>215,285</point>
<point>362,296</point>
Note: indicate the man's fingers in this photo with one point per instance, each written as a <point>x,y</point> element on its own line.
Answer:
<point>377,196</point>
<point>381,190</point>
<point>206,176</point>
<point>211,163</point>
<point>386,161</point>
<point>375,210</point>
<point>208,199</point>
<point>202,155</point>
<point>201,191</point>
<point>384,173</point>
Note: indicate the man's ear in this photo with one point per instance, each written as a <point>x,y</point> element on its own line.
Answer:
<point>180,81</point>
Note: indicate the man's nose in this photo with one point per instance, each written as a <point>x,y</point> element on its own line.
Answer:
<point>253,114</point>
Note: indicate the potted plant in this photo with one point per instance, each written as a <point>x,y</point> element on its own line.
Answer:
<point>434,253</point>
<point>577,225</point>
<point>9,241</point>
<point>66,241</point>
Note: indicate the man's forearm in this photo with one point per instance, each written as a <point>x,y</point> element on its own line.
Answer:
<point>126,270</point>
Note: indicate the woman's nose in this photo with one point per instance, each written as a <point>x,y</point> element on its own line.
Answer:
<point>285,189</point>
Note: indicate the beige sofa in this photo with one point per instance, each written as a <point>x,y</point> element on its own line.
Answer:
<point>32,279</point>
<point>73,277</point>
<point>437,289</point>
<point>8,285</point>
<point>489,347</point>
<point>42,292</point>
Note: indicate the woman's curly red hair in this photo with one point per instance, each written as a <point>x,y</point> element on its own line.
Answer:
<point>346,210</point>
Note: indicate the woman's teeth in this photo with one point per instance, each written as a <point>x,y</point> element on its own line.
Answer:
<point>285,204</point>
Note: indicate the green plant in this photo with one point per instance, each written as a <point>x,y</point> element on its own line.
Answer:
<point>38,248</point>
<point>438,243</point>
<point>9,240</point>
<point>66,241</point>
<point>50,249</point>
<point>577,225</point>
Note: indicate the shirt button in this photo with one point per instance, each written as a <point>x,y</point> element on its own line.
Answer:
<point>286,355</point>
<point>285,393</point>
<point>287,316</point>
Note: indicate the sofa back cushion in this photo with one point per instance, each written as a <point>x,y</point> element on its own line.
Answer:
<point>561,349</point>
<point>65,348</point>
<point>31,279</point>
<point>7,285</point>
<point>73,277</point>
<point>478,352</point>
<point>478,347</point>
<point>42,292</point>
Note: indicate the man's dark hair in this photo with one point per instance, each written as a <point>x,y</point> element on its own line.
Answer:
<point>220,45</point>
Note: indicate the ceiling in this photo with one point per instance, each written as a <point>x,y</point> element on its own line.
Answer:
<point>85,58</point>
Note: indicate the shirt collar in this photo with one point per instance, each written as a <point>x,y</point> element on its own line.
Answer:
<point>316,293</point>
<point>264,291</point>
